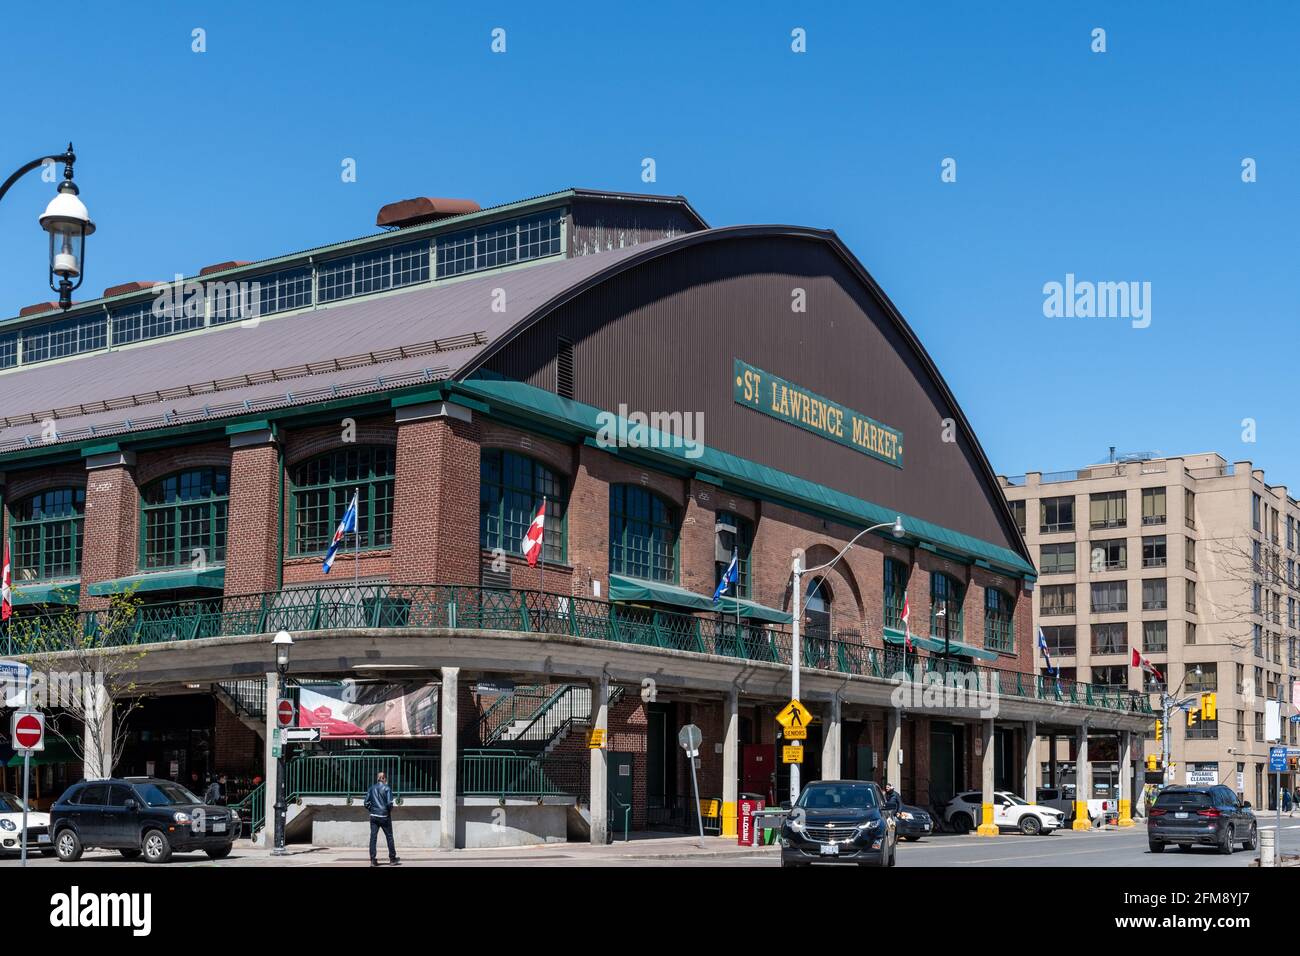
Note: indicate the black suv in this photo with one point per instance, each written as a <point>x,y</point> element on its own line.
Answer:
<point>135,815</point>
<point>839,821</point>
<point>1205,815</point>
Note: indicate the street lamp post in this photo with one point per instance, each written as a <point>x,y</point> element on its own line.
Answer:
<point>67,222</point>
<point>1168,703</point>
<point>796,645</point>
<point>282,642</point>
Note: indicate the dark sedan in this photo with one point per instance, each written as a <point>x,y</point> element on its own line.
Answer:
<point>1209,816</point>
<point>839,821</point>
<point>913,823</point>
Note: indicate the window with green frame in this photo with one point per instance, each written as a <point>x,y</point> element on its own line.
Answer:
<point>642,534</point>
<point>183,518</point>
<point>322,491</point>
<point>999,633</point>
<point>740,540</point>
<point>896,574</point>
<point>46,530</point>
<point>511,489</point>
<point>945,596</point>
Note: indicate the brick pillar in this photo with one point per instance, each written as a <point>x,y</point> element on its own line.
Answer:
<point>588,520</point>
<point>697,540</point>
<point>253,520</point>
<point>112,520</point>
<point>435,508</point>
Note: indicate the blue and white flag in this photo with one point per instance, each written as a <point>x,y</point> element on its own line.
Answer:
<point>347,526</point>
<point>1042,646</point>
<point>728,578</point>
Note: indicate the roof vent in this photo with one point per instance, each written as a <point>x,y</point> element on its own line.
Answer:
<point>412,212</point>
<point>37,309</point>
<point>126,287</point>
<point>222,266</point>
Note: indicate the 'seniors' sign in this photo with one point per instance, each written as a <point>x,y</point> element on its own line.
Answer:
<point>773,395</point>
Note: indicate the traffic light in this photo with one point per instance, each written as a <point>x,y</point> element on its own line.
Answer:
<point>1160,729</point>
<point>1192,717</point>
<point>1209,707</point>
<point>1153,762</point>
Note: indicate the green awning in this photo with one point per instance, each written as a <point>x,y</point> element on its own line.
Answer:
<point>752,611</point>
<point>894,636</point>
<point>213,579</point>
<point>56,751</point>
<point>969,650</point>
<point>56,592</point>
<point>731,471</point>
<point>639,591</point>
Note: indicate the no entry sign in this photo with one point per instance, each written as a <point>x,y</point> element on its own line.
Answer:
<point>284,712</point>
<point>27,731</point>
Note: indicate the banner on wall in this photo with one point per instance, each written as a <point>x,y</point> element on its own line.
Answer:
<point>352,710</point>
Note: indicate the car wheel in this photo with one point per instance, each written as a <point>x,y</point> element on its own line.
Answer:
<point>1156,846</point>
<point>156,847</point>
<point>220,853</point>
<point>911,839</point>
<point>961,823</point>
<point>129,854</point>
<point>1225,842</point>
<point>1030,825</point>
<point>68,845</point>
<point>1253,841</point>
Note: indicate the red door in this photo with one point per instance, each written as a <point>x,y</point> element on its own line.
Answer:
<point>756,777</point>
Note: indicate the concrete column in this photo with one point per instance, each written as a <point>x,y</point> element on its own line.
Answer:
<point>831,739</point>
<point>1126,794</point>
<point>271,775</point>
<point>1053,772</point>
<point>1033,770</point>
<point>894,748</point>
<point>1082,781</point>
<point>449,696</point>
<point>97,729</point>
<point>987,827</point>
<point>599,801</point>
<point>730,762</point>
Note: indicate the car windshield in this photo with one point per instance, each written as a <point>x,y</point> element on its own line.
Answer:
<point>165,794</point>
<point>10,804</point>
<point>1183,798</point>
<point>840,796</point>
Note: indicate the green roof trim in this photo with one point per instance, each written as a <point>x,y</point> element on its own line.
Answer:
<point>638,591</point>
<point>48,592</point>
<point>968,650</point>
<point>524,401</point>
<point>210,578</point>
<point>256,425</point>
<point>752,610</point>
<point>895,636</point>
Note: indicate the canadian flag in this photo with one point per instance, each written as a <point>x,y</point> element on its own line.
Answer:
<point>1146,665</point>
<point>6,593</point>
<point>532,543</point>
<point>907,628</point>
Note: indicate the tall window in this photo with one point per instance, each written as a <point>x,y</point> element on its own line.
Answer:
<point>1056,599</point>
<point>999,635</point>
<point>945,607</point>
<point>1189,507</point>
<point>183,519</point>
<point>1110,555</point>
<point>1060,640</point>
<point>1056,558</point>
<point>895,592</point>
<point>1155,594</point>
<point>1155,552</point>
<point>732,533</point>
<point>1108,509</point>
<point>323,488</point>
<point>511,489</point>
<point>1056,514</point>
<point>1018,513</point>
<point>642,534</point>
<point>1153,506</point>
<point>817,610</point>
<point>1109,596</point>
<point>1155,637</point>
<point>46,531</point>
<point>1110,638</point>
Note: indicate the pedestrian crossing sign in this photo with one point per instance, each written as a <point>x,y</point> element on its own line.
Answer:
<point>794,717</point>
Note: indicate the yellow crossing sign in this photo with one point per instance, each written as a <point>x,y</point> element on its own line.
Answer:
<point>794,717</point>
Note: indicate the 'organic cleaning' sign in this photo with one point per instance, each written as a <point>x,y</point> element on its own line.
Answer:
<point>772,395</point>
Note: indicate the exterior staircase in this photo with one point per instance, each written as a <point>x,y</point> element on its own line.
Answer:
<point>246,699</point>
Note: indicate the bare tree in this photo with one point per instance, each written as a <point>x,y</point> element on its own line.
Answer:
<point>82,665</point>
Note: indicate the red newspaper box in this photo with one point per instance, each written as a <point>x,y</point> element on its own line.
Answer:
<point>745,830</point>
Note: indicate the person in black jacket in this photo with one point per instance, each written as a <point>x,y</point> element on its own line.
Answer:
<point>215,795</point>
<point>892,800</point>
<point>379,801</point>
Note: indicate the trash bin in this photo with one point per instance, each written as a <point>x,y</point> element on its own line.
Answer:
<point>745,830</point>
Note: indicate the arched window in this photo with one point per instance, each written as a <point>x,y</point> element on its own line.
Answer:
<point>895,592</point>
<point>642,534</point>
<point>817,610</point>
<point>183,518</point>
<point>46,532</point>
<point>945,607</point>
<point>511,489</point>
<point>733,533</point>
<point>999,634</point>
<point>323,488</point>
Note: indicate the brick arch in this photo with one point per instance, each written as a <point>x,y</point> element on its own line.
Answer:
<point>554,455</point>
<point>19,488</point>
<point>307,443</point>
<point>843,584</point>
<point>164,468</point>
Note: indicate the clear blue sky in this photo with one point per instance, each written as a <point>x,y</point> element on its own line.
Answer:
<point>1117,166</point>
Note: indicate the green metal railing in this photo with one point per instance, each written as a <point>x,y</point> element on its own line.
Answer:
<point>252,810</point>
<point>405,606</point>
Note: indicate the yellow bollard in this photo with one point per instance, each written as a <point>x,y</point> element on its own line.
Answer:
<point>988,828</point>
<point>1081,821</point>
<point>1126,813</point>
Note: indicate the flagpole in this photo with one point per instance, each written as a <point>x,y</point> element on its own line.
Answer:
<point>356,555</point>
<point>541,557</point>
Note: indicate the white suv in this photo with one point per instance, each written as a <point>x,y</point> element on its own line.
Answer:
<point>965,811</point>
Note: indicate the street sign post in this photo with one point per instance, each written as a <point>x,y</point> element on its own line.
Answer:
<point>689,737</point>
<point>285,712</point>
<point>26,733</point>
<point>301,735</point>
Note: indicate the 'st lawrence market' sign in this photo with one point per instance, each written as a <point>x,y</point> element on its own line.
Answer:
<point>772,395</point>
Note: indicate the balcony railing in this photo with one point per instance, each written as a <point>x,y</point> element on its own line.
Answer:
<point>411,606</point>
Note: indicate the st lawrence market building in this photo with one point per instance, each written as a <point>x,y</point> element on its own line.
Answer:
<point>177,460</point>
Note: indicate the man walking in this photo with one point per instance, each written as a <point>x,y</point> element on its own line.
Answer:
<point>892,799</point>
<point>379,801</point>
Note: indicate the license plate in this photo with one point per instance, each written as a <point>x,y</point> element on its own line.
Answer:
<point>830,849</point>
<point>43,838</point>
<point>218,828</point>
<point>1180,816</point>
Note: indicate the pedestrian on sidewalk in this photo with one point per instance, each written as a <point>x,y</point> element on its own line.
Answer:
<point>892,800</point>
<point>215,795</point>
<point>1288,805</point>
<point>379,801</point>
